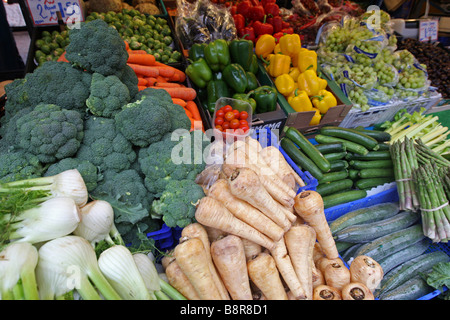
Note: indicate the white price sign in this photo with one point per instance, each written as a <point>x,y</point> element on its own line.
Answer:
<point>44,12</point>
<point>428,30</point>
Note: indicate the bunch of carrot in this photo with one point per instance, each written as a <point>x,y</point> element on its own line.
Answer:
<point>255,238</point>
<point>157,75</point>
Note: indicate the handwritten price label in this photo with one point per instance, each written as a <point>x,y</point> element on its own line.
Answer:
<point>428,30</point>
<point>44,12</point>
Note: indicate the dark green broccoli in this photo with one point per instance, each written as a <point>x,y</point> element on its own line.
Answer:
<point>52,83</point>
<point>97,47</point>
<point>50,132</point>
<point>8,130</point>
<point>130,79</point>
<point>143,122</point>
<point>88,171</point>
<point>105,146</point>
<point>177,204</point>
<point>108,95</point>
<point>162,95</point>
<point>19,165</point>
<point>168,160</point>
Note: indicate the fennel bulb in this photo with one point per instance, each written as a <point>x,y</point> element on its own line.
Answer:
<point>71,261</point>
<point>17,272</point>
<point>119,267</point>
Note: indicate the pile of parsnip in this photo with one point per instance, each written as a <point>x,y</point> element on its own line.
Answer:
<point>257,239</point>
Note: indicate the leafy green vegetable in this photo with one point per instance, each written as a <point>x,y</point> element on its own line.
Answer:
<point>440,277</point>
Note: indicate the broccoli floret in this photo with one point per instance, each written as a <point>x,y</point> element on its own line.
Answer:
<point>168,160</point>
<point>19,165</point>
<point>177,204</point>
<point>97,47</point>
<point>105,146</point>
<point>143,122</point>
<point>88,171</point>
<point>8,130</point>
<point>130,79</point>
<point>50,132</point>
<point>108,95</point>
<point>161,95</point>
<point>178,117</point>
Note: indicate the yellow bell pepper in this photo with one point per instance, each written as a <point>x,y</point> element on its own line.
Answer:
<point>322,83</point>
<point>310,82</point>
<point>324,101</point>
<point>290,44</point>
<point>278,64</point>
<point>265,45</point>
<point>307,59</point>
<point>316,118</point>
<point>299,101</point>
<point>294,72</point>
<point>277,48</point>
<point>285,84</point>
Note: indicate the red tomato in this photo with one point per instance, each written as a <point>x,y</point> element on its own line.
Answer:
<point>225,125</point>
<point>244,128</point>
<point>227,108</point>
<point>229,116</point>
<point>218,127</point>
<point>236,113</point>
<point>219,121</point>
<point>242,123</point>
<point>220,113</point>
<point>234,124</point>
<point>243,115</point>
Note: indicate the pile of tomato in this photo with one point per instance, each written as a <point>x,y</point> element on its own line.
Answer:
<point>228,118</point>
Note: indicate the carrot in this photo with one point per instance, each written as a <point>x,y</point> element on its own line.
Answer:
<point>186,93</point>
<point>188,113</point>
<point>300,245</point>
<point>161,79</point>
<point>191,256</point>
<point>127,45</point>
<point>150,81</point>
<point>167,84</point>
<point>193,108</point>
<point>251,249</point>
<point>196,230</point>
<point>287,271</point>
<point>142,59</point>
<point>142,81</point>
<point>142,87</point>
<point>324,292</point>
<point>62,57</point>
<point>148,71</point>
<point>309,206</point>
<point>180,102</point>
<point>212,213</point>
<point>179,281</point>
<point>336,274</point>
<point>229,258</point>
<point>246,185</point>
<point>220,191</point>
<point>263,272</point>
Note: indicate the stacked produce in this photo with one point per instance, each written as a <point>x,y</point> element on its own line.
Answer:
<point>224,68</point>
<point>50,46</point>
<point>365,62</point>
<point>143,6</point>
<point>89,115</point>
<point>394,238</point>
<point>48,227</point>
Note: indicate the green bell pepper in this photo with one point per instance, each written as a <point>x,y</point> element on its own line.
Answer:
<point>215,90</point>
<point>266,98</point>
<point>241,52</point>
<point>199,72</point>
<point>252,81</point>
<point>236,78</point>
<point>254,67</point>
<point>217,54</point>
<point>245,97</point>
<point>197,51</point>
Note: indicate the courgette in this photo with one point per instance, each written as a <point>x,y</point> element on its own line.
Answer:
<point>325,148</point>
<point>376,173</point>
<point>411,289</point>
<point>333,176</point>
<point>410,252</point>
<point>371,155</point>
<point>383,147</point>
<point>367,164</point>
<point>350,252</point>
<point>343,197</point>
<point>343,246</point>
<point>349,145</point>
<point>300,158</point>
<point>351,135</point>
<point>338,165</point>
<point>307,147</point>
<point>370,231</point>
<point>364,215</point>
<point>335,156</point>
<point>410,269</point>
<point>370,183</point>
<point>326,189</point>
<point>391,243</point>
<point>378,135</point>
<point>353,174</point>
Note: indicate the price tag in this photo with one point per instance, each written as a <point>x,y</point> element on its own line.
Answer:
<point>428,30</point>
<point>44,12</point>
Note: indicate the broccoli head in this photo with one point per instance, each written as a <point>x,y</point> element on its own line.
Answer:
<point>130,79</point>
<point>172,159</point>
<point>108,95</point>
<point>19,165</point>
<point>97,47</point>
<point>143,122</point>
<point>50,132</point>
<point>161,95</point>
<point>177,204</point>
<point>105,146</point>
<point>88,171</point>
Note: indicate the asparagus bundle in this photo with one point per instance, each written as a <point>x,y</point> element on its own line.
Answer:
<point>425,154</point>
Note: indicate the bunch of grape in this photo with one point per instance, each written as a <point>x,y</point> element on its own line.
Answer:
<point>359,98</point>
<point>337,40</point>
<point>365,76</point>
<point>386,73</point>
<point>405,59</point>
<point>412,78</point>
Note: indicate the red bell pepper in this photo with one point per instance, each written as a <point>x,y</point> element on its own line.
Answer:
<point>243,7</point>
<point>264,2</point>
<point>255,2</point>
<point>278,35</point>
<point>233,10</point>
<point>239,22</point>
<point>262,27</point>
<point>276,22</point>
<point>249,33</point>
<point>289,30</point>
<point>256,13</point>
<point>286,24</point>
<point>273,9</point>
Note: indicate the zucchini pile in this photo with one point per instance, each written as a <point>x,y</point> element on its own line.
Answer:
<point>394,238</point>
